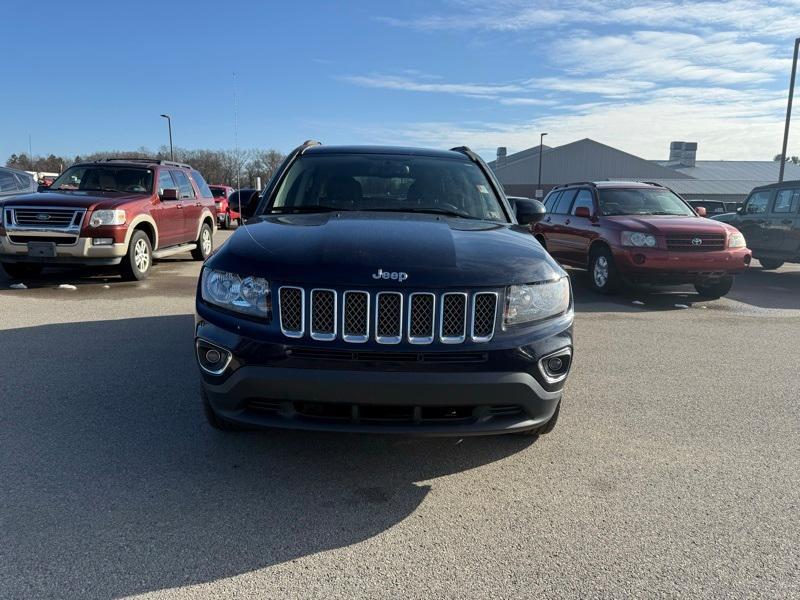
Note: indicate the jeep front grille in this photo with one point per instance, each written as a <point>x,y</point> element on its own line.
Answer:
<point>388,317</point>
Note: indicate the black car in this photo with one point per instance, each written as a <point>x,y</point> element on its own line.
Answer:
<point>770,222</point>
<point>383,289</point>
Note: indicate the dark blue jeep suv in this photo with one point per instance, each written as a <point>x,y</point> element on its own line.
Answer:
<point>382,289</point>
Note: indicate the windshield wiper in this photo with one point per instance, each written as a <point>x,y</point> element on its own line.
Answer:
<point>106,189</point>
<point>311,208</point>
<point>430,210</point>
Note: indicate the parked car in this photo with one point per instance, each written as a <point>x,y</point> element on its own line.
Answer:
<point>14,183</point>
<point>227,213</point>
<point>770,220</point>
<point>711,207</point>
<point>125,212</point>
<point>639,232</point>
<point>382,289</point>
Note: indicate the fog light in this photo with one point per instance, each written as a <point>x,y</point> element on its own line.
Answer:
<point>555,364</point>
<point>212,359</point>
<point>102,241</point>
<point>554,367</point>
<point>639,259</point>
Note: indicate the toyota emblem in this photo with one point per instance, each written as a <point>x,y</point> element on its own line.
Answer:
<point>697,242</point>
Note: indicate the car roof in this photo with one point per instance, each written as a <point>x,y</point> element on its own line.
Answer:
<point>794,184</point>
<point>142,163</point>
<point>399,150</point>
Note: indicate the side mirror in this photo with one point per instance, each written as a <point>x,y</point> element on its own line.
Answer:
<point>42,187</point>
<point>249,205</point>
<point>169,194</point>
<point>583,211</point>
<point>701,211</point>
<point>529,211</point>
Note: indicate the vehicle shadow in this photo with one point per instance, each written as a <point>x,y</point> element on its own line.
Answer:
<point>778,289</point>
<point>114,485</point>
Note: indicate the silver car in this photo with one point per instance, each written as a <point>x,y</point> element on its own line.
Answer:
<point>13,182</point>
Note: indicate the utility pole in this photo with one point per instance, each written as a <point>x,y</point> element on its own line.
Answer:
<point>169,123</point>
<point>789,110</point>
<point>539,193</point>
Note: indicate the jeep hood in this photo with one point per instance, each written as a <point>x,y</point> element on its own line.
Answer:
<point>76,199</point>
<point>346,249</point>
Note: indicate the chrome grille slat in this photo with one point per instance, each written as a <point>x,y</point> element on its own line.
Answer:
<point>388,317</point>
<point>484,314</point>
<point>421,317</point>
<point>458,315</point>
<point>355,317</point>
<point>292,311</point>
<point>323,314</point>
<point>453,323</point>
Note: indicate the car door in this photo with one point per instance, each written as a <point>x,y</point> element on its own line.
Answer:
<point>191,207</point>
<point>578,232</point>
<point>168,214</point>
<point>780,220</point>
<point>557,242</point>
<point>752,221</point>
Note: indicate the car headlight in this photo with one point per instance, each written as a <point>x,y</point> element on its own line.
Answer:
<point>638,239</point>
<point>536,301</point>
<point>248,295</point>
<point>107,217</point>
<point>736,240</point>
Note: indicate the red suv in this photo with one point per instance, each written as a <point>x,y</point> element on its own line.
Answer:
<point>124,212</point>
<point>226,215</point>
<point>642,233</point>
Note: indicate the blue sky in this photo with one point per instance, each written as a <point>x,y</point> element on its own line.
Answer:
<point>90,75</point>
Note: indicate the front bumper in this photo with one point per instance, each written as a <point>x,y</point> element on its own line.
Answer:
<point>473,389</point>
<point>656,264</point>
<point>80,251</point>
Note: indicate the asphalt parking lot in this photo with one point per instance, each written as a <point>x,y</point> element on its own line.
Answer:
<point>674,470</point>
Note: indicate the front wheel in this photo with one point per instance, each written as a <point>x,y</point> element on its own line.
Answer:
<point>137,262</point>
<point>21,270</point>
<point>226,223</point>
<point>768,264</point>
<point>716,288</point>
<point>603,273</point>
<point>205,243</point>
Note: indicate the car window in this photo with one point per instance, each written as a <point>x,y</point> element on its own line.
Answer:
<point>643,201</point>
<point>205,191</point>
<point>219,192</point>
<point>562,208</point>
<point>388,182</point>
<point>551,201</point>
<point>184,184</point>
<point>25,182</point>
<point>757,203</point>
<point>7,182</point>
<point>786,201</point>
<point>584,198</point>
<point>106,178</point>
<point>165,181</point>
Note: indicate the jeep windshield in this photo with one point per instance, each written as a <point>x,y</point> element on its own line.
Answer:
<point>101,178</point>
<point>387,183</point>
<point>642,201</point>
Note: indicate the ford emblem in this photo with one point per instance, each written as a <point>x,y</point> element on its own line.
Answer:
<point>42,217</point>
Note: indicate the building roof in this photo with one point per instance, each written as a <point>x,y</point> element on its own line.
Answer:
<point>733,170</point>
<point>584,160</point>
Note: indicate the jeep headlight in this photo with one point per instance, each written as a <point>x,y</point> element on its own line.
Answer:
<point>736,240</point>
<point>248,295</point>
<point>638,239</point>
<point>536,301</point>
<point>107,217</point>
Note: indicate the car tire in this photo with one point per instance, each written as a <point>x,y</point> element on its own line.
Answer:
<point>21,270</point>
<point>205,243</point>
<point>214,419</point>
<point>543,429</point>
<point>768,264</point>
<point>603,275</point>
<point>226,223</point>
<point>715,289</point>
<point>136,264</point>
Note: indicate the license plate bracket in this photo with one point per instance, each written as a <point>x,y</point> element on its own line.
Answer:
<point>42,249</point>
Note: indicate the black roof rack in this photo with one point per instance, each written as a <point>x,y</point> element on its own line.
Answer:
<point>591,183</point>
<point>308,144</point>
<point>149,161</point>
<point>655,184</point>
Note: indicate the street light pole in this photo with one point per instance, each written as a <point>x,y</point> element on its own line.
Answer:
<point>539,187</point>
<point>169,124</point>
<point>789,110</point>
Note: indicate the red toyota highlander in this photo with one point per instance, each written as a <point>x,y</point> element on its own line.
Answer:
<point>640,233</point>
